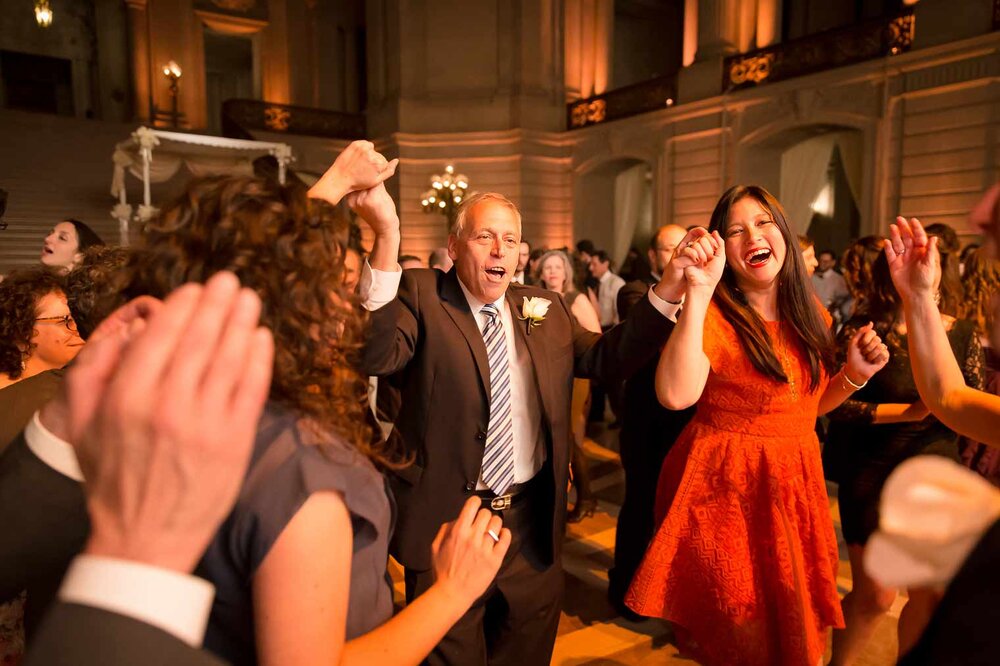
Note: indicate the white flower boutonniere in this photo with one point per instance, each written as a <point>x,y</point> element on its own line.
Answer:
<point>533,312</point>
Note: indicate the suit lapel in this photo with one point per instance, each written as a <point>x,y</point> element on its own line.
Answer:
<point>535,343</point>
<point>454,303</point>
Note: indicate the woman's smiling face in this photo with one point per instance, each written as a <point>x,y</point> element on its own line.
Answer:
<point>755,248</point>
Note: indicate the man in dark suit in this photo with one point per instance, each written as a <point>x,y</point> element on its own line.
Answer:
<point>486,387</point>
<point>128,598</point>
<point>648,431</point>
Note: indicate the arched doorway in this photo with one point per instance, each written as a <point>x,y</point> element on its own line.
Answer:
<point>613,206</point>
<point>818,172</point>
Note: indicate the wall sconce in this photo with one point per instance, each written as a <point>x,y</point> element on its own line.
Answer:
<point>445,195</point>
<point>43,13</point>
<point>173,73</point>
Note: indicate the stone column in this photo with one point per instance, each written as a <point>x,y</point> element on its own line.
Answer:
<point>718,28</point>
<point>138,19</point>
<point>768,22</point>
<point>588,38</point>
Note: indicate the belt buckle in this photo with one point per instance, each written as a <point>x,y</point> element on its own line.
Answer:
<point>500,503</point>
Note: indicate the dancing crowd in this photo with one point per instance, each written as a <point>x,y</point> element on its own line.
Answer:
<point>211,443</point>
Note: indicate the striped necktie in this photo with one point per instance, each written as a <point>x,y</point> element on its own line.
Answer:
<point>498,455</point>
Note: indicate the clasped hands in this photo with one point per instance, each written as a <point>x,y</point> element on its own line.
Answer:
<point>359,173</point>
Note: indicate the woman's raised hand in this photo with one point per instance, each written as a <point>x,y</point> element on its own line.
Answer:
<point>914,261</point>
<point>866,355</point>
<point>702,260</point>
<point>358,167</point>
<point>465,553</point>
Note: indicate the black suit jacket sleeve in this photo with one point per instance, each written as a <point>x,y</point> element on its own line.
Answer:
<point>385,354</point>
<point>78,635</point>
<point>629,295</point>
<point>616,355</point>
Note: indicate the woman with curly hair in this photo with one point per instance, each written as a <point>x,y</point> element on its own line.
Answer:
<point>37,331</point>
<point>300,565</point>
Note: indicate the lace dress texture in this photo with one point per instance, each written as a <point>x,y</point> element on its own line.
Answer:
<point>867,452</point>
<point>744,559</point>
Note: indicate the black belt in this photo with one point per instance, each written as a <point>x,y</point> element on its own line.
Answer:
<point>515,494</point>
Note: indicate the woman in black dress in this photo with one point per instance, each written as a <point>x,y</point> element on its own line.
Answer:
<point>884,424</point>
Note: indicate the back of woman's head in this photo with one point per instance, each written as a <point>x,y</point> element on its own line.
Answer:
<point>981,283</point>
<point>284,247</point>
<point>882,302</point>
<point>91,286</point>
<point>857,262</point>
<point>797,303</point>
<point>20,293</point>
<point>951,277</point>
<point>85,236</point>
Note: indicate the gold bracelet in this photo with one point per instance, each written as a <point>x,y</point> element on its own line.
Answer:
<point>853,386</point>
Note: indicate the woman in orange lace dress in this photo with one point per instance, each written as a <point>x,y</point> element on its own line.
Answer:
<point>744,560</point>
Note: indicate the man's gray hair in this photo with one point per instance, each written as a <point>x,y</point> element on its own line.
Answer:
<point>481,197</point>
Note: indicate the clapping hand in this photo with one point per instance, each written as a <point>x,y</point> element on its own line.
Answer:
<point>358,167</point>
<point>914,261</point>
<point>163,416</point>
<point>465,554</point>
<point>866,355</point>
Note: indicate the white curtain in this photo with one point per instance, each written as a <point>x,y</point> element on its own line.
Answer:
<point>633,209</point>
<point>851,145</point>
<point>804,169</point>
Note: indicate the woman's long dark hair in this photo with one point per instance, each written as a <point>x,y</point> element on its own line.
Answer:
<point>85,236</point>
<point>797,304</point>
<point>952,298</point>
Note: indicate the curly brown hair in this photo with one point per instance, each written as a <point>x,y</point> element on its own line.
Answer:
<point>856,264</point>
<point>20,292</point>
<point>981,282</point>
<point>90,286</point>
<point>951,280</point>
<point>284,247</point>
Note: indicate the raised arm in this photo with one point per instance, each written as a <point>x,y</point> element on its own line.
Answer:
<point>915,266</point>
<point>683,368</point>
<point>866,355</point>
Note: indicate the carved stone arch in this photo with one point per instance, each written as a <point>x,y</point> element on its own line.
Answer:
<point>758,153</point>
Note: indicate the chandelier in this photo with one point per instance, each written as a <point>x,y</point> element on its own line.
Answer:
<point>446,194</point>
<point>43,13</point>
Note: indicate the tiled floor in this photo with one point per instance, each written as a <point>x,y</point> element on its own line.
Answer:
<point>590,634</point>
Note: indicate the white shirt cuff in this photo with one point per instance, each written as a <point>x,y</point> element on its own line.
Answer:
<point>177,603</point>
<point>933,512</point>
<point>54,452</point>
<point>668,310</point>
<point>378,288</point>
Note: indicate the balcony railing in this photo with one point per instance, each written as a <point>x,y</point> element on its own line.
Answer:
<point>631,100</point>
<point>825,50</point>
<point>248,114</point>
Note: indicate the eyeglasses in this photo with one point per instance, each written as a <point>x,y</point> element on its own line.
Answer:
<point>65,320</point>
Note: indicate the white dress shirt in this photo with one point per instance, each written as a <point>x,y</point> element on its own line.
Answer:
<point>377,288</point>
<point>607,298</point>
<point>177,603</point>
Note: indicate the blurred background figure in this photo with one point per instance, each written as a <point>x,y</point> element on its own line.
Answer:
<point>409,261</point>
<point>521,275</point>
<point>556,273</point>
<point>440,260</point>
<point>65,244</point>
<point>808,249</point>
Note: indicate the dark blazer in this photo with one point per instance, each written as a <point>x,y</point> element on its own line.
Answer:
<point>20,401</point>
<point>75,635</point>
<point>963,629</point>
<point>43,525</point>
<point>429,336</point>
